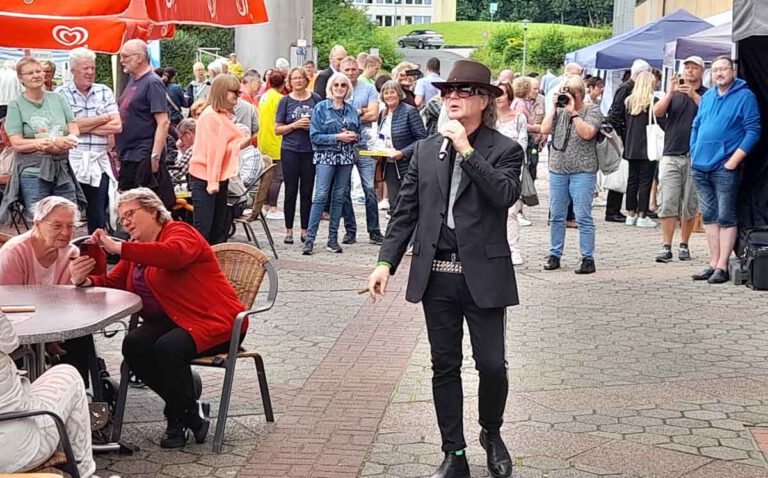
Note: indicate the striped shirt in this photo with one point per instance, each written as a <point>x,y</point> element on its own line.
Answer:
<point>99,101</point>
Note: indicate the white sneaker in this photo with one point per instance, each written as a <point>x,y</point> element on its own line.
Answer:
<point>275,215</point>
<point>630,220</point>
<point>384,205</point>
<point>523,221</point>
<point>646,222</point>
<point>517,258</point>
<point>599,201</point>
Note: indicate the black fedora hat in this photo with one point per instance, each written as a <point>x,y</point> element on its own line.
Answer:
<point>468,72</point>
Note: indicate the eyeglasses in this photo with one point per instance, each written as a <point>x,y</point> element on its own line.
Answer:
<point>128,216</point>
<point>462,91</point>
<point>58,226</point>
<point>340,85</point>
<point>237,92</point>
<point>721,69</point>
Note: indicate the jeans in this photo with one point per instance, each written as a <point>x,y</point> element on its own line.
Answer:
<point>718,193</point>
<point>325,176</point>
<point>97,198</point>
<point>639,184</point>
<point>159,353</point>
<point>579,188</point>
<point>299,180</point>
<point>366,166</point>
<point>210,210</point>
<point>33,189</point>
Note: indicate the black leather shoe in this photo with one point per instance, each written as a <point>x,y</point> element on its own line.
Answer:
<point>453,466</point>
<point>587,266</point>
<point>197,420</point>
<point>175,435</point>
<point>704,275</point>
<point>552,263</point>
<point>720,276</point>
<point>499,462</point>
<point>615,217</point>
<point>376,238</point>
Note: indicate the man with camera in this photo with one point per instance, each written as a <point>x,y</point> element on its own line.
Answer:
<point>677,194</point>
<point>455,195</point>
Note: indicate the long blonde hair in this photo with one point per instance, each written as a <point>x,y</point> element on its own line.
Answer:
<point>642,94</point>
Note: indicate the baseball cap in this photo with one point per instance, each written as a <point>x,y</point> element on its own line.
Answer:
<point>694,59</point>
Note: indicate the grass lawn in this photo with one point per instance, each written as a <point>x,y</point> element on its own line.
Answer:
<point>471,33</point>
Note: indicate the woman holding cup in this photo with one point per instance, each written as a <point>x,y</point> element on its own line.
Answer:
<point>292,123</point>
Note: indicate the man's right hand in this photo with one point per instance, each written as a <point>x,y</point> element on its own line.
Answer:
<point>377,282</point>
<point>673,85</point>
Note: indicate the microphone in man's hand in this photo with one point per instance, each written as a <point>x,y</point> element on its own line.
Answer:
<point>444,149</point>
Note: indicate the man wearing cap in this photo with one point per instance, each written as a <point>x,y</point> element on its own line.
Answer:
<point>456,199</point>
<point>677,193</point>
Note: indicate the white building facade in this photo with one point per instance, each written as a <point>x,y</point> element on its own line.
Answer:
<point>388,13</point>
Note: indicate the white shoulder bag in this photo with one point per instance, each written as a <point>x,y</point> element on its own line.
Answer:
<point>654,136</point>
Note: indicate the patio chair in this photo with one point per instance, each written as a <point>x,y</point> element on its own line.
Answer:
<point>66,462</point>
<point>16,210</point>
<point>256,214</point>
<point>4,238</point>
<point>244,266</point>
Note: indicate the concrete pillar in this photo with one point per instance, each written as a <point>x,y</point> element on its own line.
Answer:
<point>258,46</point>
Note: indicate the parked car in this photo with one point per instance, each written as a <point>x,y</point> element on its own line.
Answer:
<point>421,39</point>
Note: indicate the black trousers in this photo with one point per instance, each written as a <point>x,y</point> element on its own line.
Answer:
<point>299,172</point>
<point>210,210</point>
<point>159,353</point>
<point>446,303</point>
<point>393,184</point>
<point>97,197</point>
<point>639,184</point>
<point>613,203</point>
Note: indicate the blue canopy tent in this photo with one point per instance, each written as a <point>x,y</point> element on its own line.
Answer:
<point>646,42</point>
<point>708,44</point>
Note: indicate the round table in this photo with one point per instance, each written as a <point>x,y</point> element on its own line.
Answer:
<point>65,311</point>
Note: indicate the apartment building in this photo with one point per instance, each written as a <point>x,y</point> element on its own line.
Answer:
<point>388,13</point>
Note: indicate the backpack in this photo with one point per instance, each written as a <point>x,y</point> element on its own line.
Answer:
<point>609,148</point>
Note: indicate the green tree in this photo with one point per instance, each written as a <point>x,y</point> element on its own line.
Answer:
<point>338,22</point>
<point>550,49</point>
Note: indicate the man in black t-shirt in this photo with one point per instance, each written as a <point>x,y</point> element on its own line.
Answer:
<point>144,111</point>
<point>677,194</point>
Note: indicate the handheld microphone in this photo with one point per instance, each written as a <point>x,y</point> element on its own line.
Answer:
<point>444,149</point>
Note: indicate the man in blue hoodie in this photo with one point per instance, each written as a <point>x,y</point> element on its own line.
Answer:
<point>725,130</point>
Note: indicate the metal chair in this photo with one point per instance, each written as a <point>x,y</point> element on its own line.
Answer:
<point>245,267</point>
<point>16,210</point>
<point>256,214</point>
<point>68,465</point>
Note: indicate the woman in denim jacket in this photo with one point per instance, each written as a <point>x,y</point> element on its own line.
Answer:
<point>334,131</point>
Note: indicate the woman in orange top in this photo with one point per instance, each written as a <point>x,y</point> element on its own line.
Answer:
<point>215,159</point>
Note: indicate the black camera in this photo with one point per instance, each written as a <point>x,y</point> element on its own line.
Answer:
<point>562,98</point>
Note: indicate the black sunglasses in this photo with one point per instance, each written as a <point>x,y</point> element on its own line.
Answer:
<point>462,91</point>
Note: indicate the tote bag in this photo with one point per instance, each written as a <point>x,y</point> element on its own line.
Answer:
<point>654,136</point>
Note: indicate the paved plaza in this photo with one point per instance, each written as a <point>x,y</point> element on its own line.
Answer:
<point>633,371</point>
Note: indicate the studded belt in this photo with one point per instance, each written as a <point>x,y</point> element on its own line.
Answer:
<point>451,267</point>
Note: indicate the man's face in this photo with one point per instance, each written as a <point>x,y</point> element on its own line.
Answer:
<point>350,69</point>
<point>83,73</point>
<point>722,73</point>
<point>310,69</point>
<point>535,88</point>
<point>465,108</point>
<point>336,58</point>
<point>130,59</point>
<point>252,85</point>
<point>48,73</point>
<point>693,72</point>
<point>372,70</point>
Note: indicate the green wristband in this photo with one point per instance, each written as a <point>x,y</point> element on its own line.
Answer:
<point>384,263</point>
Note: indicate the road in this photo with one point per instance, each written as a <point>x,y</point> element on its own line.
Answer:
<point>446,56</point>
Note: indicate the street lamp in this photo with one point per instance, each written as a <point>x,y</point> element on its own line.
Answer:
<point>525,43</point>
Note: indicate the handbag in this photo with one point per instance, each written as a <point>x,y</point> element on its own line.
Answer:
<point>609,149</point>
<point>528,194</point>
<point>654,136</point>
<point>617,180</point>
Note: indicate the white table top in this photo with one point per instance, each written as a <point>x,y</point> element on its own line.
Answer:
<point>66,312</point>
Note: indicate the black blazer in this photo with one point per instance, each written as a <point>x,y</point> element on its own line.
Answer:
<point>407,128</point>
<point>322,81</point>
<point>489,186</point>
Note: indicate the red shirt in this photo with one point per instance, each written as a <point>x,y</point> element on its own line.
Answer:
<point>184,275</point>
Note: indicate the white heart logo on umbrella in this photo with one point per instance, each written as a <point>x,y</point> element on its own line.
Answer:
<point>242,7</point>
<point>70,36</point>
<point>212,7</point>
<point>169,3</point>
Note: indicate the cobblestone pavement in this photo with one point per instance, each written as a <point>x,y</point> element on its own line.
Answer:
<point>633,371</point>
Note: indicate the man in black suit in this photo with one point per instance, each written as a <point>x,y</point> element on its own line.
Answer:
<point>461,264</point>
<point>337,54</point>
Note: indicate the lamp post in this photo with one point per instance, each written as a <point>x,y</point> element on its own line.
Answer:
<point>525,43</point>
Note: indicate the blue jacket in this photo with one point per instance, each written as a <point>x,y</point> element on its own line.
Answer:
<point>724,124</point>
<point>326,124</point>
<point>407,128</point>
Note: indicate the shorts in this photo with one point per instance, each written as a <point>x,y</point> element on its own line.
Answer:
<point>718,193</point>
<point>676,195</point>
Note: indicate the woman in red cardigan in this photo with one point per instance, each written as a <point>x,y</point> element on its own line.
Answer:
<point>189,306</point>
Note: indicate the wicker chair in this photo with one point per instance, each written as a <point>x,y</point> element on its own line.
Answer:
<point>63,460</point>
<point>245,267</point>
<point>256,214</point>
